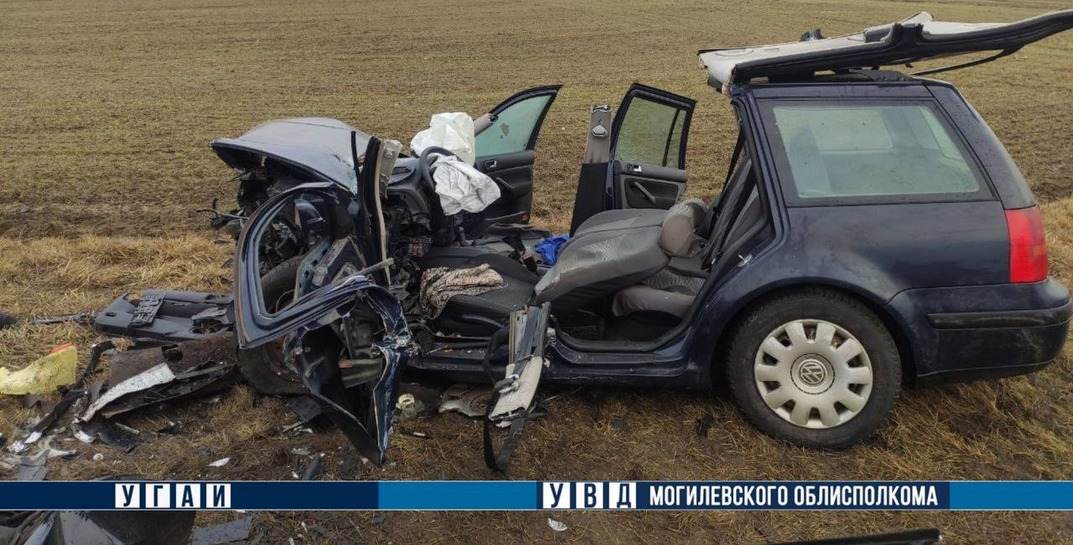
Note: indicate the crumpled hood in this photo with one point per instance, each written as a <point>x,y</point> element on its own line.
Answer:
<point>315,146</point>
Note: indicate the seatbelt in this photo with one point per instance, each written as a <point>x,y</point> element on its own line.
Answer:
<point>498,461</point>
<point>709,217</point>
<point>734,156</point>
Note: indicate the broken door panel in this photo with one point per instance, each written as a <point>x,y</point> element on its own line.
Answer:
<point>140,378</point>
<point>164,315</point>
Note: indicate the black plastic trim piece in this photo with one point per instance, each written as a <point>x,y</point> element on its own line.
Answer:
<point>1001,318</point>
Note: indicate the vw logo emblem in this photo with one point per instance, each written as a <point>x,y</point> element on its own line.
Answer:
<point>812,373</point>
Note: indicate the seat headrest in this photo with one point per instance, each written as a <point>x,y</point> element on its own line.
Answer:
<point>677,236</point>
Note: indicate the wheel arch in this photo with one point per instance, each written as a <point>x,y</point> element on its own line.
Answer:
<point>890,320</point>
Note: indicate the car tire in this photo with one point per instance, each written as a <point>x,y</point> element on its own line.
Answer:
<point>263,366</point>
<point>826,384</point>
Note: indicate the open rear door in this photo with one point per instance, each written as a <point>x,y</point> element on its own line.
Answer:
<point>506,140</point>
<point>645,163</point>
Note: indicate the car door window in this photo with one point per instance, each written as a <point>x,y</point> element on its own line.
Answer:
<point>512,131</point>
<point>651,134</point>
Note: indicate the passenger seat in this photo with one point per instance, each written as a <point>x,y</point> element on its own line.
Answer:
<point>627,253</point>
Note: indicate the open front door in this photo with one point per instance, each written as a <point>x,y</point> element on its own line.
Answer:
<point>506,140</point>
<point>645,163</point>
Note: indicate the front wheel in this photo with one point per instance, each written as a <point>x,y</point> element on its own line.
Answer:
<point>816,368</point>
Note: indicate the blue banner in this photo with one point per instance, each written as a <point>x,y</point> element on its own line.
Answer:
<point>536,495</point>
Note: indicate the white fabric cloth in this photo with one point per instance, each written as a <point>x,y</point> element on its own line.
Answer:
<point>450,131</point>
<point>462,187</point>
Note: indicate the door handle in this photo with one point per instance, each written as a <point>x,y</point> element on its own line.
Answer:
<point>490,164</point>
<point>648,195</point>
<point>636,169</point>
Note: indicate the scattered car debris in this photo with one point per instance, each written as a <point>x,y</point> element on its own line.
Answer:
<point>96,527</point>
<point>418,400</point>
<point>221,462</point>
<point>53,452</point>
<point>225,532</point>
<point>45,375</point>
<point>703,424</point>
<point>162,315</point>
<point>84,437</point>
<point>81,318</point>
<point>7,320</point>
<point>157,375</point>
<point>119,436</point>
<point>30,401</point>
<point>148,376</point>
<point>313,469</point>
<point>31,468</point>
<point>305,407</point>
<point>36,430</point>
<point>406,407</point>
<point>467,400</point>
<point>557,525</point>
<point>171,428</point>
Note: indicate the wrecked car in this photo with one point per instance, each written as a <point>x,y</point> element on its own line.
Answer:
<point>871,232</point>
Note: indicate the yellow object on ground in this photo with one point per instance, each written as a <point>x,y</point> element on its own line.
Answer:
<point>44,375</point>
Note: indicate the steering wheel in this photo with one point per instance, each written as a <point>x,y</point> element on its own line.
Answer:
<point>424,164</point>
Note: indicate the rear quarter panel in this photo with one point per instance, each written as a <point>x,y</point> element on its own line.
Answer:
<point>884,249</point>
<point>872,251</point>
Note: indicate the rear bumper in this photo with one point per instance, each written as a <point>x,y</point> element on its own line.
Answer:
<point>975,332</point>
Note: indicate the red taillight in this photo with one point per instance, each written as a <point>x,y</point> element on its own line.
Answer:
<point>1028,249</point>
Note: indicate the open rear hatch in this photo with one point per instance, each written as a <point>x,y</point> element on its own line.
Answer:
<point>914,39</point>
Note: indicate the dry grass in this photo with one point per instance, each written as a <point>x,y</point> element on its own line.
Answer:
<point>105,113</point>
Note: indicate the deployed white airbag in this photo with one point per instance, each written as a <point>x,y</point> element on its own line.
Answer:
<point>450,131</point>
<point>462,187</point>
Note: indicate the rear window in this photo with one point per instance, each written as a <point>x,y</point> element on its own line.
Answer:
<point>871,153</point>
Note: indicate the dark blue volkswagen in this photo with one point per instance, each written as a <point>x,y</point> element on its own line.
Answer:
<point>872,232</point>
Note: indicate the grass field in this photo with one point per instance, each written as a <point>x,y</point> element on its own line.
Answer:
<point>106,110</point>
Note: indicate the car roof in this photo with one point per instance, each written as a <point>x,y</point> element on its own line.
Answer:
<point>916,38</point>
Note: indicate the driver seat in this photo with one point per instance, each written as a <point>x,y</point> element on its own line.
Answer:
<point>481,315</point>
